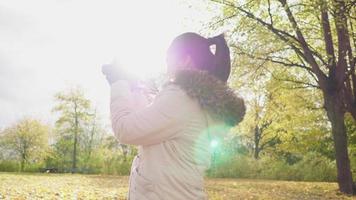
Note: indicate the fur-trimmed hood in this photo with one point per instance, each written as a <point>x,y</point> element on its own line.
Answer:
<point>213,95</point>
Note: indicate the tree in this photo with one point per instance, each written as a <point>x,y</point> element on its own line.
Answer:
<point>301,34</point>
<point>28,140</point>
<point>116,157</point>
<point>257,121</point>
<point>259,133</point>
<point>91,138</point>
<point>299,118</point>
<point>75,112</point>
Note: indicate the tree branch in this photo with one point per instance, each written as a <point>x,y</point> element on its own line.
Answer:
<point>222,20</point>
<point>343,43</point>
<point>296,82</point>
<point>307,51</point>
<point>270,58</point>
<point>280,33</point>
<point>329,47</point>
<point>269,12</point>
<point>269,142</point>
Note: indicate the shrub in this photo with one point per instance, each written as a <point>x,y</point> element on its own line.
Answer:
<point>312,167</point>
<point>9,166</point>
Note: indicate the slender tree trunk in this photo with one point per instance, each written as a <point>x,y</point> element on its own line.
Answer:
<point>124,149</point>
<point>257,143</point>
<point>23,157</point>
<point>74,163</point>
<point>90,146</point>
<point>22,163</point>
<point>335,112</point>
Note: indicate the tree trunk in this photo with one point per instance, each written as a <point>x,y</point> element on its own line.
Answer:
<point>23,158</point>
<point>335,112</point>
<point>257,143</point>
<point>74,163</point>
<point>124,151</point>
<point>90,146</point>
<point>22,163</point>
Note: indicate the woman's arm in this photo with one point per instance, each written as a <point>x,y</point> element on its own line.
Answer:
<point>146,125</point>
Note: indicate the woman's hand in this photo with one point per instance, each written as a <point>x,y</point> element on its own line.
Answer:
<point>114,72</point>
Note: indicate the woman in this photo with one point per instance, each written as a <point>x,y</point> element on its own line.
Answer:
<point>175,130</point>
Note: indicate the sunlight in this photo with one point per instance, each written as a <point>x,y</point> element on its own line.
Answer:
<point>214,144</point>
<point>143,63</point>
<point>56,44</point>
<point>141,47</point>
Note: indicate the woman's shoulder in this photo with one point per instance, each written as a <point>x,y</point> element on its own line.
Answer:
<point>178,97</point>
<point>172,89</point>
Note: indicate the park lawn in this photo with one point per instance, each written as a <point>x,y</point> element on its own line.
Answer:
<point>68,186</point>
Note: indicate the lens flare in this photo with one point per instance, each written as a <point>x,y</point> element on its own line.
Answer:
<point>214,143</point>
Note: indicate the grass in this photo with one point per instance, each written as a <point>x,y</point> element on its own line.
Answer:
<point>68,186</point>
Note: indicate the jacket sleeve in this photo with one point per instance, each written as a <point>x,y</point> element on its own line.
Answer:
<point>147,124</point>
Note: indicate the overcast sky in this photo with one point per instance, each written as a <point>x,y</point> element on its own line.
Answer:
<point>50,45</point>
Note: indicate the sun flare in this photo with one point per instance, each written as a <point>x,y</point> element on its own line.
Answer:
<point>144,63</point>
<point>141,49</point>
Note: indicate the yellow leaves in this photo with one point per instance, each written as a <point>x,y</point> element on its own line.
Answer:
<point>68,186</point>
<point>64,186</point>
<point>269,189</point>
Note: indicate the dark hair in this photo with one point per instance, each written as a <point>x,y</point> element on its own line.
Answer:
<point>198,48</point>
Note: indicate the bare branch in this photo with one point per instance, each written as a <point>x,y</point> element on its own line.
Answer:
<point>343,42</point>
<point>296,82</point>
<point>280,33</point>
<point>353,32</point>
<point>269,12</point>
<point>307,51</point>
<point>269,142</point>
<point>309,72</point>
<point>286,63</point>
<point>221,20</point>
<point>329,47</point>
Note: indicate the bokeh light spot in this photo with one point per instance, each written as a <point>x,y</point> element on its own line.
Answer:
<point>214,143</point>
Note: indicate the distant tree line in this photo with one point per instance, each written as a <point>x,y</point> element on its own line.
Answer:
<point>76,143</point>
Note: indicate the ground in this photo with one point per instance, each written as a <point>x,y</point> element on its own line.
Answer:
<point>68,186</point>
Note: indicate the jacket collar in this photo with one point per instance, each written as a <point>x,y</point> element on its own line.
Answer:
<point>213,95</point>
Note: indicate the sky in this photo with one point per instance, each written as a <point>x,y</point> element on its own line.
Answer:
<point>48,46</point>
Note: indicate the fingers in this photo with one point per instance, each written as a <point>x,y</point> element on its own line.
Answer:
<point>114,72</point>
<point>106,68</point>
<point>110,72</point>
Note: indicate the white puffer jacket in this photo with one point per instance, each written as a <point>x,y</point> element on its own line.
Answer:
<point>173,133</point>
